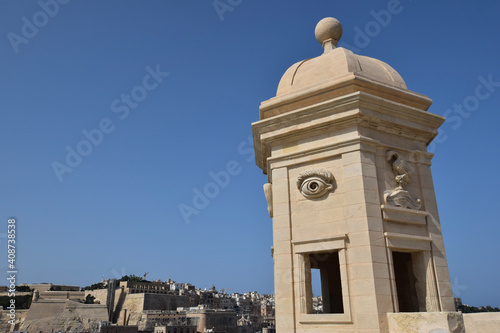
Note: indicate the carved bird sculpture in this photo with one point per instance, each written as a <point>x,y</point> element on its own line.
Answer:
<point>400,168</point>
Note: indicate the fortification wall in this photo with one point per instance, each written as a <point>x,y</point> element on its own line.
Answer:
<point>57,287</point>
<point>165,302</point>
<point>45,308</point>
<point>135,304</point>
<point>57,315</point>
<point>63,295</point>
<point>102,294</point>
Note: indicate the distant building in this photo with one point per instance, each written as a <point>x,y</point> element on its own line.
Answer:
<point>132,306</point>
<point>172,319</point>
<point>160,307</point>
<point>175,329</point>
<point>225,302</point>
<point>267,309</point>
<point>269,330</point>
<point>119,329</point>
<point>215,320</point>
<point>458,302</point>
<point>133,287</point>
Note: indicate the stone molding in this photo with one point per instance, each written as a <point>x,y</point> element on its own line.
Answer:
<point>407,242</point>
<point>356,109</point>
<point>404,215</point>
<point>340,87</point>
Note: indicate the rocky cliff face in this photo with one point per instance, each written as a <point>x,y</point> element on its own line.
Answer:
<point>4,320</point>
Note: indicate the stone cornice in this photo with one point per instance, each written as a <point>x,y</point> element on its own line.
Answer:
<point>357,109</point>
<point>320,152</point>
<point>341,86</point>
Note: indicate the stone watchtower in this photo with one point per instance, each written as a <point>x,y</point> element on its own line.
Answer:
<point>344,145</point>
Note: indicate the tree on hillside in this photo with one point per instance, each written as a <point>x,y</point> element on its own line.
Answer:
<point>22,289</point>
<point>99,285</point>
<point>133,278</point>
<point>472,309</point>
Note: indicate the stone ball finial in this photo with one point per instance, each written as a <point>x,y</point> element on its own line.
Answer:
<point>328,29</point>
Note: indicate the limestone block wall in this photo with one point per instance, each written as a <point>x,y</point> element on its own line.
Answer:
<point>56,287</point>
<point>131,310</point>
<point>99,294</point>
<point>44,309</point>
<point>63,295</point>
<point>133,305</point>
<point>346,220</point>
<point>379,223</point>
<point>449,322</point>
<point>165,302</point>
<point>102,294</point>
<point>354,220</point>
<point>482,322</point>
<point>415,230</point>
<point>224,321</point>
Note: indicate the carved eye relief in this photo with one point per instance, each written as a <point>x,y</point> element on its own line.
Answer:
<point>315,183</point>
<point>315,187</point>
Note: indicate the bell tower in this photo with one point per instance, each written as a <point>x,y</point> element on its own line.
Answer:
<point>357,242</point>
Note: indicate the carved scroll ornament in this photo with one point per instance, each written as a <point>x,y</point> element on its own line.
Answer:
<point>268,192</point>
<point>399,197</point>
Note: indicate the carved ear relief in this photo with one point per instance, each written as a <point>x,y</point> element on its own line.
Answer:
<point>315,183</point>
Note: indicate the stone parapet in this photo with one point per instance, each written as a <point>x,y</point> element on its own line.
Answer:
<point>488,322</point>
<point>432,322</point>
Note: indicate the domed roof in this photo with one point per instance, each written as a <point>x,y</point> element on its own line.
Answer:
<point>336,63</point>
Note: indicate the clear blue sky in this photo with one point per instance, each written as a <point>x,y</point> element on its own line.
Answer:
<point>117,212</point>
